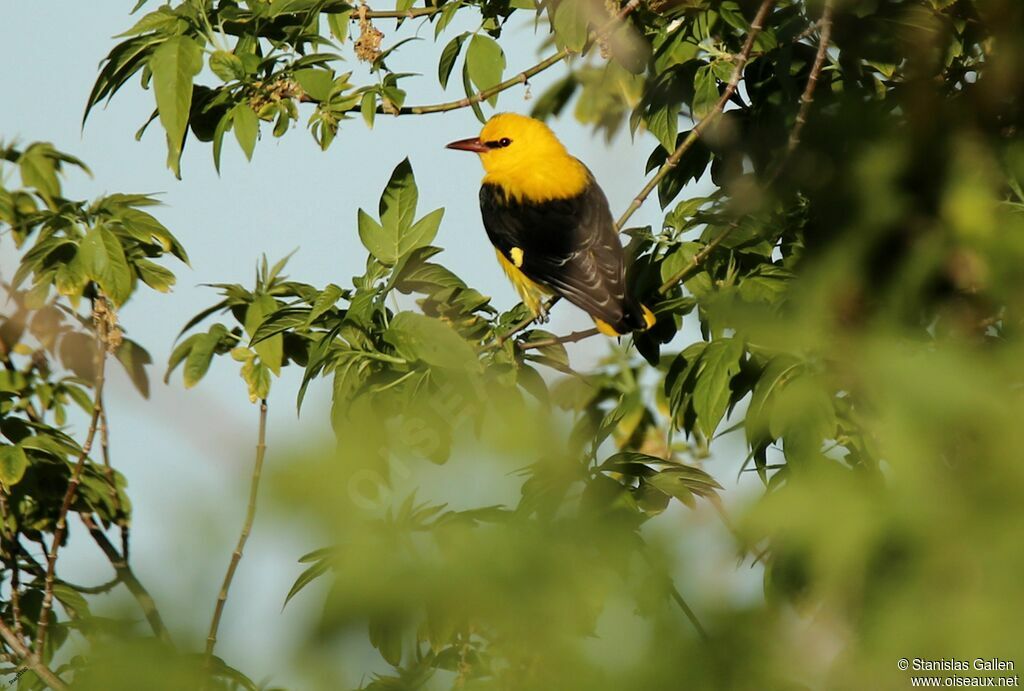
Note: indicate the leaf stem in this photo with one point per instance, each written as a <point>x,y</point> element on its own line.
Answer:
<point>250,515</point>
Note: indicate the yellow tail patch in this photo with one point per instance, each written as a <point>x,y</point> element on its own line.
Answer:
<point>532,293</point>
<point>605,328</point>
<point>609,330</point>
<point>649,318</point>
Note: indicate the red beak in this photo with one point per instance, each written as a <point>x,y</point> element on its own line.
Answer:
<point>474,144</point>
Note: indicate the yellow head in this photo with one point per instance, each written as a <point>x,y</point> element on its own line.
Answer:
<point>524,157</point>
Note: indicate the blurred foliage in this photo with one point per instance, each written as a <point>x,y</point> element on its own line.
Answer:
<point>494,515</point>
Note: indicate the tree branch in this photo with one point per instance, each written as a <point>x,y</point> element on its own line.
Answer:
<point>555,340</point>
<point>691,139</point>
<point>101,322</point>
<point>520,78</point>
<point>15,574</point>
<point>250,515</point>
<point>29,660</point>
<point>127,576</point>
<point>807,98</point>
<point>411,13</point>
<point>688,271</point>
<point>677,596</point>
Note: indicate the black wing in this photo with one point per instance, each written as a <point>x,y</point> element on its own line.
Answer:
<point>569,245</point>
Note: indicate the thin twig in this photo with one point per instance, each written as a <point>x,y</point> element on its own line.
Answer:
<point>411,13</point>
<point>15,573</point>
<point>100,325</point>
<point>521,324</point>
<point>127,576</point>
<point>677,596</point>
<point>108,469</point>
<point>520,78</point>
<point>691,139</point>
<point>250,514</point>
<point>688,271</point>
<point>555,340</point>
<point>29,660</point>
<point>807,98</point>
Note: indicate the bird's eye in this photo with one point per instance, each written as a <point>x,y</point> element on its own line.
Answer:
<point>504,141</point>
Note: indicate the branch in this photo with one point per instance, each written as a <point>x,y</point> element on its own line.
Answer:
<point>568,338</point>
<point>677,596</point>
<point>15,573</point>
<point>101,324</point>
<point>250,514</point>
<point>807,98</point>
<point>688,271</point>
<point>397,14</point>
<point>698,129</point>
<point>520,78</point>
<point>29,660</point>
<point>127,576</point>
<point>111,482</point>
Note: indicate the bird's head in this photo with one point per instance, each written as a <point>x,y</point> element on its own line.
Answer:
<point>509,141</point>
<point>521,153</point>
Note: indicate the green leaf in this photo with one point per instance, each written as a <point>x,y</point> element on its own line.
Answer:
<point>227,66</point>
<point>13,463</point>
<point>418,337</point>
<point>179,353</point>
<point>571,20</point>
<point>673,485</point>
<point>247,127</point>
<point>174,64</point>
<point>386,637</point>
<point>270,350</point>
<point>104,260</point>
<point>485,62</point>
<point>155,276</point>
<point>398,202</point>
<point>719,363</point>
<point>72,276</point>
<point>257,379</point>
<point>201,354</point>
<point>324,301</point>
<point>368,107</point>
<point>318,83</point>
<point>448,57</point>
<point>134,359</point>
<point>705,96</point>
<point>306,577</point>
<point>39,171</point>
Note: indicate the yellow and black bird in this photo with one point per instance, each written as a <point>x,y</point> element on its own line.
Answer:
<point>550,224</point>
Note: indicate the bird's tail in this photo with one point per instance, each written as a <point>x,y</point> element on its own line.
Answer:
<point>635,317</point>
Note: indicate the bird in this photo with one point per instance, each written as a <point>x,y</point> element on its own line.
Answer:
<point>550,224</point>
